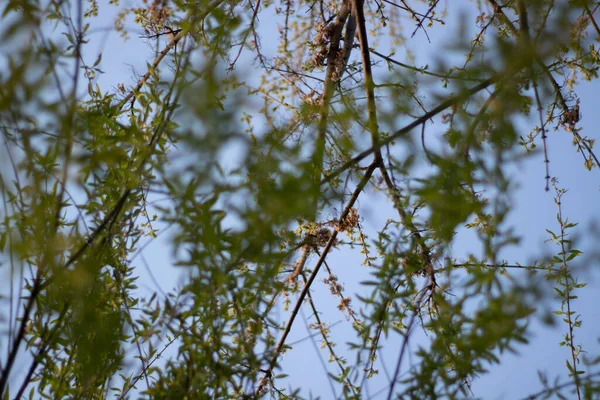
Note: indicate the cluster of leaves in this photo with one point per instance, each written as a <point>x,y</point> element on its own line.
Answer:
<point>90,179</point>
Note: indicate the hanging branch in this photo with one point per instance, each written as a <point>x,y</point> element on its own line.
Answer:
<point>357,6</point>
<point>172,43</point>
<point>449,102</point>
<point>288,327</point>
<point>563,103</point>
<point>334,32</point>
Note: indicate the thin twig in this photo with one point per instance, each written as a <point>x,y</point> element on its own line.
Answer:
<point>151,70</point>
<point>268,372</point>
<point>450,101</point>
<point>328,343</point>
<point>411,322</point>
<point>420,24</point>
<point>557,88</point>
<point>568,294</point>
<point>423,70</point>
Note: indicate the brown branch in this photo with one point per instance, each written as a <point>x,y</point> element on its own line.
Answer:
<point>413,13</point>
<point>592,19</point>
<point>547,391</point>
<point>152,68</point>
<point>268,372</point>
<point>37,287</point>
<point>425,250</point>
<point>409,327</point>
<point>251,28</point>
<point>450,101</point>
<point>420,24</point>
<point>329,344</point>
<point>349,35</point>
<point>46,342</point>
<point>335,34</point>
<point>335,30</point>
<point>38,284</point>
<point>143,372</point>
<point>548,73</point>
<point>377,337</point>
<point>422,70</point>
<point>296,73</point>
<point>299,264</point>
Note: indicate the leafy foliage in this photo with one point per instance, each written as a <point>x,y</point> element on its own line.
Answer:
<point>248,151</point>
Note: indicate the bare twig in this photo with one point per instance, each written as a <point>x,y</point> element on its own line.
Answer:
<point>407,332</point>
<point>546,70</point>
<point>268,372</point>
<point>420,24</point>
<point>423,70</point>
<point>450,101</point>
<point>151,70</point>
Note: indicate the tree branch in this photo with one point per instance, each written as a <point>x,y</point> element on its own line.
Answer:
<point>357,7</point>
<point>450,101</point>
<point>361,185</point>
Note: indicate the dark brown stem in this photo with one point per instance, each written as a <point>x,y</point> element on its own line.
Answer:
<point>450,101</point>
<point>288,327</point>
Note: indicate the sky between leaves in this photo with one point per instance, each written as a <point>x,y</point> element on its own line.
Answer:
<point>533,211</point>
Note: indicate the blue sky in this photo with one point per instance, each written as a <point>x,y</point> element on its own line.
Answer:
<point>534,210</point>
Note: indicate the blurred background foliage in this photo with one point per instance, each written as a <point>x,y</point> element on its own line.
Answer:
<point>258,138</point>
